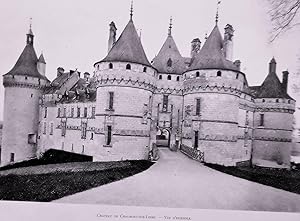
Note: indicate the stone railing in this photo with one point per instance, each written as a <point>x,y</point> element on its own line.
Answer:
<point>192,153</point>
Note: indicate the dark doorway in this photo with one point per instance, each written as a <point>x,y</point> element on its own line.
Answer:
<point>163,137</point>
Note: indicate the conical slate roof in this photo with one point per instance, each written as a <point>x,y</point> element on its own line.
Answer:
<point>169,51</point>
<point>272,88</point>
<point>27,63</point>
<point>128,47</point>
<point>211,55</point>
<point>42,59</point>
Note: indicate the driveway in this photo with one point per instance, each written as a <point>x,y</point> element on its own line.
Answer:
<point>177,181</point>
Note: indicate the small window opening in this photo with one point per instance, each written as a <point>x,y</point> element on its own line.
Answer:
<point>177,79</point>
<point>128,67</point>
<point>159,77</point>
<point>111,66</point>
<point>219,73</point>
<point>145,69</point>
<point>197,74</point>
<point>169,77</point>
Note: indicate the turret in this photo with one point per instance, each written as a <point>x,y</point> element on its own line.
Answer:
<point>195,47</point>
<point>228,42</point>
<point>23,85</point>
<point>112,35</point>
<point>272,66</point>
<point>41,65</point>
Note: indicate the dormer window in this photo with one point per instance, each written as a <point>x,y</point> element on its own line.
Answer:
<point>128,67</point>
<point>169,63</point>
<point>169,77</point>
<point>145,69</point>
<point>110,66</point>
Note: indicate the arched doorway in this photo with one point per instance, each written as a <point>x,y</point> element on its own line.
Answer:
<point>163,138</point>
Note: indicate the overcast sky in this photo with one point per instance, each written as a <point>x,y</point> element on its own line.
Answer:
<point>74,34</point>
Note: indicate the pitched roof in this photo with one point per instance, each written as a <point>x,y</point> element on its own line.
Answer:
<point>211,54</point>
<point>272,88</point>
<point>168,51</point>
<point>27,64</point>
<point>128,47</point>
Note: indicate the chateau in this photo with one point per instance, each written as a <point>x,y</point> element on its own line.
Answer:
<point>199,104</point>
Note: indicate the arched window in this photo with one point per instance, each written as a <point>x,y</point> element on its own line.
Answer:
<point>145,69</point>
<point>263,100</point>
<point>169,62</point>
<point>177,79</point>
<point>237,76</point>
<point>219,73</point>
<point>197,74</point>
<point>169,77</point>
<point>277,100</point>
<point>160,77</point>
<point>110,66</point>
<point>128,67</point>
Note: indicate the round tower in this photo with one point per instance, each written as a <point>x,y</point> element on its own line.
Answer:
<point>23,89</point>
<point>212,85</point>
<point>124,92</point>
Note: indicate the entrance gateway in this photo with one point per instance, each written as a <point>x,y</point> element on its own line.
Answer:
<point>163,138</point>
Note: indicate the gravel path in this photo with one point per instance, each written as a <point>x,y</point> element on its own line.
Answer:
<point>179,182</point>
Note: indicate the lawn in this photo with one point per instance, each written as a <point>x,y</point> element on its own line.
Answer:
<point>60,182</point>
<point>288,180</point>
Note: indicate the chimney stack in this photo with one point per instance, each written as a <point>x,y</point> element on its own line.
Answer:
<point>60,71</point>
<point>237,63</point>
<point>195,47</point>
<point>285,79</point>
<point>112,35</point>
<point>228,42</point>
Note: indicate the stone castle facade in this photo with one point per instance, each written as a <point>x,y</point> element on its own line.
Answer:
<point>202,102</point>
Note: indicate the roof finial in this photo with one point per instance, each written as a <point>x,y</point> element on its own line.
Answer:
<point>30,26</point>
<point>131,10</point>
<point>217,14</point>
<point>170,26</point>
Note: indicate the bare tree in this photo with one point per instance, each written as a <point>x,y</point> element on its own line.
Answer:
<point>284,15</point>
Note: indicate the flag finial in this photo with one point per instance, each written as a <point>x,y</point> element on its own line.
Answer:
<point>217,14</point>
<point>170,26</point>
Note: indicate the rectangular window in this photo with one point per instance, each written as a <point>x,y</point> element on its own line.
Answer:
<point>78,111</point>
<point>93,112</point>
<point>108,141</point>
<point>65,112</point>
<point>58,112</point>
<point>111,101</point>
<point>196,140</point>
<point>45,128</point>
<point>51,128</point>
<point>12,157</point>
<point>85,112</point>
<point>72,112</point>
<point>83,130</point>
<point>45,113</point>
<point>247,118</point>
<point>165,103</point>
<point>198,106</point>
<point>262,120</point>
<point>63,128</point>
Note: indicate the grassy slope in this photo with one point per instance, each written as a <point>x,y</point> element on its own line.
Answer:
<point>48,187</point>
<point>278,178</point>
